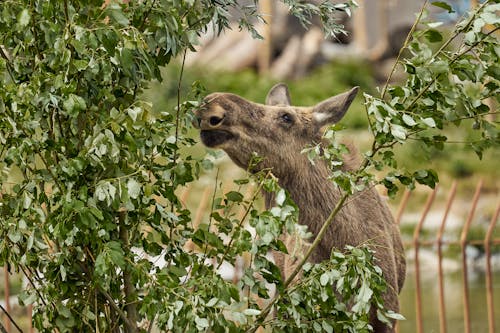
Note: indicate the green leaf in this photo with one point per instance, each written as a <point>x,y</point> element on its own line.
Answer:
<point>365,293</point>
<point>397,91</point>
<point>327,327</point>
<point>26,297</point>
<point>396,316</point>
<point>115,12</point>
<point>429,122</point>
<point>134,112</point>
<point>280,197</point>
<point>439,67</point>
<point>234,196</point>
<point>212,302</point>
<point>62,271</point>
<point>14,235</point>
<point>116,254</point>
<point>109,258</point>
<point>324,279</point>
<point>408,120</point>
<point>24,18</point>
<point>178,271</point>
<point>433,36</point>
<point>201,323</point>
<point>133,188</point>
<point>410,68</point>
<point>427,177</point>
<point>398,132</point>
<point>74,104</point>
<point>251,312</point>
<point>443,5</point>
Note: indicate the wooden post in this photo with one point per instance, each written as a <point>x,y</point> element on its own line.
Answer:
<point>382,40</point>
<point>266,9</point>
<point>359,27</point>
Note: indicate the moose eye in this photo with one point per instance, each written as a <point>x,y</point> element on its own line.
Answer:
<point>286,118</point>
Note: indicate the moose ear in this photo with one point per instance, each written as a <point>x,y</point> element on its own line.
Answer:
<point>330,111</point>
<point>278,95</point>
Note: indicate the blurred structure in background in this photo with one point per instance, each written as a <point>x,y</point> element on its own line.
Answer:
<point>377,31</point>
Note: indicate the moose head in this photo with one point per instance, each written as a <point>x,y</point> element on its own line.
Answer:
<point>276,131</point>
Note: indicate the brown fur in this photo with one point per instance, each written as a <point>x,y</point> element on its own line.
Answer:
<point>278,132</point>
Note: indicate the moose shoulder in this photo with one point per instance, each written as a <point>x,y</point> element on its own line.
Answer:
<point>278,132</point>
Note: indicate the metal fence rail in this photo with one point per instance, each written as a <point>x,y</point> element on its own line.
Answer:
<point>416,243</point>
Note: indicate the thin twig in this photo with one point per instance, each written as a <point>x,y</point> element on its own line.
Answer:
<point>455,58</point>
<point>177,122</point>
<point>145,17</point>
<point>34,286</point>
<point>405,45</point>
<point>9,66</point>
<point>128,285</point>
<point>297,269</point>
<point>66,14</point>
<point>132,327</point>
<point>11,320</point>
<point>205,251</point>
<point>243,218</point>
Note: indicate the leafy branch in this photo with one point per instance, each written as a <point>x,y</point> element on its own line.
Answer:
<point>74,123</point>
<point>404,47</point>
<point>300,265</point>
<point>452,60</point>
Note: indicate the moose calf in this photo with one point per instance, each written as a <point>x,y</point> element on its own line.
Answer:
<point>278,132</point>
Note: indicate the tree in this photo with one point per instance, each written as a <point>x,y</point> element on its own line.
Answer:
<point>90,172</point>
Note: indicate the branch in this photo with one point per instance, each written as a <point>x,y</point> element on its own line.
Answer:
<point>455,58</point>
<point>205,251</point>
<point>412,30</point>
<point>177,124</point>
<point>405,45</point>
<point>9,66</point>
<point>34,286</point>
<point>128,285</point>
<point>2,328</point>
<point>460,31</point>
<point>247,211</point>
<point>145,17</point>
<point>297,269</point>
<point>132,327</point>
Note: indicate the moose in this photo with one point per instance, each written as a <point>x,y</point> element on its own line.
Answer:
<point>278,132</point>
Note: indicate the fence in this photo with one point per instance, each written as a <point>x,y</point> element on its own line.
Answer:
<point>416,242</point>
<point>439,241</point>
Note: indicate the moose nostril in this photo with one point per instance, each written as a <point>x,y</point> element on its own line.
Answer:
<point>214,120</point>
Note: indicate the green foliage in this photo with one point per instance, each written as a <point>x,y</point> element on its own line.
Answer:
<point>305,11</point>
<point>443,88</point>
<point>90,171</point>
<point>349,278</point>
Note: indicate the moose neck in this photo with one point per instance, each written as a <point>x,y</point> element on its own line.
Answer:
<point>312,191</point>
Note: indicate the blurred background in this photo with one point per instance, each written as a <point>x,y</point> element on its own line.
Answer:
<point>445,230</point>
